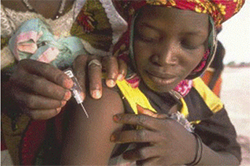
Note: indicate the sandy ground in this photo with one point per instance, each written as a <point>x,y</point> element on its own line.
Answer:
<point>236,96</point>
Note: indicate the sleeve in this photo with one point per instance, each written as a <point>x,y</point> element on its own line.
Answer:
<point>219,134</point>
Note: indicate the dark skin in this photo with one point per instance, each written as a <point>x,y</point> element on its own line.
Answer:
<point>166,139</point>
<point>41,90</point>
<point>42,7</point>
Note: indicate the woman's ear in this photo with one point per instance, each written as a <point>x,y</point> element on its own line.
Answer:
<point>211,46</point>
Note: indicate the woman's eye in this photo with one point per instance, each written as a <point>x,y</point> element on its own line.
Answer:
<point>189,45</point>
<point>147,38</point>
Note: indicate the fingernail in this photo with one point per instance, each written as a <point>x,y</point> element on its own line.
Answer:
<point>110,83</point>
<point>112,138</point>
<point>67,95</point>
<point>58,110</point>
<point>82,95</point>
<point>63,103</point>
<point>116,118</point>
<point>120,77</point>
<point>96,94</point>
<point>68,83</point>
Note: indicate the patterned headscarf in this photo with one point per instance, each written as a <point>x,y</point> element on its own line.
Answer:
<point>218,10</point>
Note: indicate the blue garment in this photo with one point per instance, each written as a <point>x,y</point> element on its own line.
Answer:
<point>68,47</point>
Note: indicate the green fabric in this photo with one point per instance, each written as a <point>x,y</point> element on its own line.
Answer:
<point>100,37</point>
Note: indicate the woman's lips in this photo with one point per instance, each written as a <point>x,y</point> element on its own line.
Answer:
<point>161,78</point>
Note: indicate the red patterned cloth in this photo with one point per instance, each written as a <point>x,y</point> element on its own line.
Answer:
<point>32,140</point>
<point>3,144</point>
<point>219,10</point>
<point>34,137</point>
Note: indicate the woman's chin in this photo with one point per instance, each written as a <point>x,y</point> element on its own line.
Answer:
<point>160,86</point>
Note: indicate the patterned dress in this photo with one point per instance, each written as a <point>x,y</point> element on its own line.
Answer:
<point>96,23</point>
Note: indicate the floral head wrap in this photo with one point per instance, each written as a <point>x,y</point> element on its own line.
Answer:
<point>218,10</point>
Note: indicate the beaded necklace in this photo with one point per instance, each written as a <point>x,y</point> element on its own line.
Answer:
<point>58,14</point>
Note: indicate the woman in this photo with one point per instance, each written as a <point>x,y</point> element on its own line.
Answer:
<point>35,90</point>
<point>63,22</point>
<point>170,46</point>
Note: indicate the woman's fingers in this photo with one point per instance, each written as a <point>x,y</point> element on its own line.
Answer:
<point>43,87</point>
<point>33,101</point>
<point>142,153</point>
<point>28,78</point>
<point>42,114</point>
<point>88,70</point>
<point>47,71</point>
<point>132,136</point>
<point>80,71</point>
<point>145,121</point>
<point>123,69</point>
<point>95,78</point>
<point>111,66</point>
<point>39,86</point>
<point>36,106</point>
<point>144,111</point>
<point>116,69</point>
<point>148,112</point>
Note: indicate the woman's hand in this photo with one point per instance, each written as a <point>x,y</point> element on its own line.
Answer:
<point>88,69</point>
<point>167,142</point>
<point>39,89</point>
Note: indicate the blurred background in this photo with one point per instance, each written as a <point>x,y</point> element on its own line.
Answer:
<point>235,91</point>
<point>235,36</point>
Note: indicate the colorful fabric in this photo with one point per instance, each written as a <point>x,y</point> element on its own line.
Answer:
<point>100,26</point>
<point>199,108</point>
<point>219,10</point>
<point>11,20</point>
<point>34,40</point>
<point>207,76</point>
<point>13,138</point>
<point>134,96</point>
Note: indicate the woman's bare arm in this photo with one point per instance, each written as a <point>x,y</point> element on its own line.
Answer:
<point>88,140</point>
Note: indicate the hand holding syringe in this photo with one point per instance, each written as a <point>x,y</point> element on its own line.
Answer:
<point>76,89</point>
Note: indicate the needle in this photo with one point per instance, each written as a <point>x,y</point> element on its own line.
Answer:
<point>84,110</point>
<point>76,89</point>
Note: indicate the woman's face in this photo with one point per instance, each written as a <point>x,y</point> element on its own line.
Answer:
<point>168,44</point>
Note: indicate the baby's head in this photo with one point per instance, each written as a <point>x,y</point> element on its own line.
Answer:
<point>173,40</point>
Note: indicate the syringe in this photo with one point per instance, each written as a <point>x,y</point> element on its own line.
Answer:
<point>76,89</point>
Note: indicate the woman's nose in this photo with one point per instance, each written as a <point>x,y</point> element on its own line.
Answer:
<point>167,55</point>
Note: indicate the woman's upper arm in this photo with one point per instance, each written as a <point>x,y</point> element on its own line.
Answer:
<point>88,139</point>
